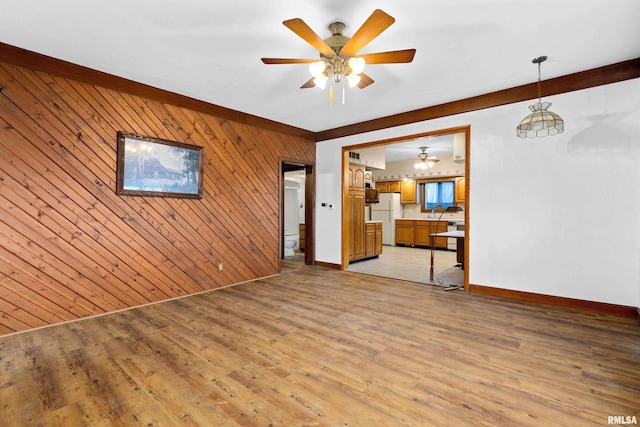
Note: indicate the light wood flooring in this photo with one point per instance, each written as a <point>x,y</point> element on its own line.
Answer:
<point>413,264</point>
<point>320,347</point>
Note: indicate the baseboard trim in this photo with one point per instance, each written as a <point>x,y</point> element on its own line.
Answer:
<point>603,307</point>
<point>328,265</point>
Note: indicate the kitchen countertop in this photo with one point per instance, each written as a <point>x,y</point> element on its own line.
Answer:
<point>456,220</point>
<point>458,234</point>
<point>372,222</point>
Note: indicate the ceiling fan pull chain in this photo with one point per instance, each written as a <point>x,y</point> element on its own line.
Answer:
<point>331,95</point>
<point>343,94</point>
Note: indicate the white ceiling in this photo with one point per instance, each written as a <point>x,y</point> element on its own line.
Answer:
<point>437,146</point>
<point>211,50</point>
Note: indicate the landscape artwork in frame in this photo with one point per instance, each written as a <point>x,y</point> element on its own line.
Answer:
<point>150,166</point>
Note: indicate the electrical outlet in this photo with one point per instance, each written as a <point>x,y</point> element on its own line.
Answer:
<point>219,266</point>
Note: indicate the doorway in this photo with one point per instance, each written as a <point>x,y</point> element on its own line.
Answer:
<point>399,143</point>
<point>297,206</point>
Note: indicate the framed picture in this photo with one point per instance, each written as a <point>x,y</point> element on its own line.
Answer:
<point>156,167</point>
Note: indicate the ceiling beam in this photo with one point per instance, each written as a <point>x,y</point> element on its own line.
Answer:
<point>571,82</point>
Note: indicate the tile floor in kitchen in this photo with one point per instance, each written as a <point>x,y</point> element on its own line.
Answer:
<point>413,264</point>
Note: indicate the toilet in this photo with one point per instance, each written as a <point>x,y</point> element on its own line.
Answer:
<point>290,242</point>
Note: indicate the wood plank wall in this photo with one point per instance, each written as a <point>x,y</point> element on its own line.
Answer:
<point>71,248</point>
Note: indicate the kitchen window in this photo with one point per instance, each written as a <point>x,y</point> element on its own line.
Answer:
<point>437,195</point>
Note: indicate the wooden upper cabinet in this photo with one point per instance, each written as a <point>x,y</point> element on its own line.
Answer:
<point>460,189</point>
<point>356,177</point>
<point>395,186</point>
<point>389,186</point>
<point>408,193</point>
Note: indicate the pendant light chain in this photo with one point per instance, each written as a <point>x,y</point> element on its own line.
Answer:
<point>539,83</point>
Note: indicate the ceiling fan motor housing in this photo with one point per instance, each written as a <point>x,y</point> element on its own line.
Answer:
<point>337,65</point>
<point>336,41</point>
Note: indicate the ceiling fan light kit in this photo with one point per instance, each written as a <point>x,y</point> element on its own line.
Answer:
<point>541,122</point>
<point>425,161</point>
<point>338,54</point>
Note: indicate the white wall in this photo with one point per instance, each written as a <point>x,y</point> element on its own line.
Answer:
<point>556,215</point>
<point>293,200</point>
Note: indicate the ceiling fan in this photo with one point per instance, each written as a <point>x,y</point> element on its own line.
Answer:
<point>339,59</point>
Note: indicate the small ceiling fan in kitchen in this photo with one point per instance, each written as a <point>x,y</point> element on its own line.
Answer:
<point>339,58</point>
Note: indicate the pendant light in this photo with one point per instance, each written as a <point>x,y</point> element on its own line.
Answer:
<point>541,122</point>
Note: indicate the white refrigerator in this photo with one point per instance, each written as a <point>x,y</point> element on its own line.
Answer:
<point>387,210</point>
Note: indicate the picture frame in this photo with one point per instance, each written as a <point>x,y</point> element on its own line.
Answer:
<point>148,166</point>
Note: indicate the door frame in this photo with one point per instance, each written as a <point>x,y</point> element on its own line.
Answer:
<point>309,207</point>
<point>466,129</point>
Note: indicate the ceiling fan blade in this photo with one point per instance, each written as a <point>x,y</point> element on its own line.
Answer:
<point>392,57</point>
<point>299,27</point>
<point>287,61</point>
<point>372,27</point>
<point>309,83</point>
<point>364,81</point>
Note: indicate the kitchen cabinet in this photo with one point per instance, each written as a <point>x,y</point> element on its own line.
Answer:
<point>362,235</point>
<point>356,177</point>
<point>356,226</point>
<point>395,186</point>
<point>416,233</point>
<point>370,240</point>
<point>459,191</point>
<point>439,227</point>
<point>422,229</point>
<point>408,193</point>
<point>355,210</point>
<point>389,186</point>
<point>405,232</point>
<point>378,241</point>
<point>407,189</point>
<point>425,228</point>
<point>373,239</point>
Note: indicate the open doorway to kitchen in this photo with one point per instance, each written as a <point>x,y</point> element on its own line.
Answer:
<point>297,200</point>
<point>395,170</point>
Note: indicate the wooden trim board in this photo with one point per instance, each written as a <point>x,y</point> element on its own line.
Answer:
<point>602,307</point>
<point>328,265</point>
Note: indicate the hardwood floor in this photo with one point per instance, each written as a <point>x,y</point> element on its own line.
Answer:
<point>319,347</point>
